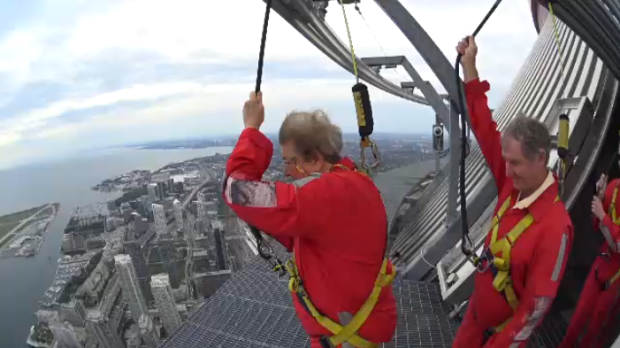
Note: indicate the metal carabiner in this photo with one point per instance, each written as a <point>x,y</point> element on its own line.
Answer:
<point>483,268</point>
<point>364,143</point>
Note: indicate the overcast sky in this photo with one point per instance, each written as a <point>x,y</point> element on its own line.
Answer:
<point>82,74</point>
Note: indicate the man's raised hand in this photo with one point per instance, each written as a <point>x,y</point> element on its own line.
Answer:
<point>468,49</point>
<point>254,111</point>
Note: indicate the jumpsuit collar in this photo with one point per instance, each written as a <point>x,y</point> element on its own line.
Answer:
<point>539,201</point>
<point>346,162</point>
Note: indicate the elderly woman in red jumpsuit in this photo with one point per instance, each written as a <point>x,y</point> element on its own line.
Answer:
<point>527,202</point>
<point>332,218</point>
<point>599,299</point>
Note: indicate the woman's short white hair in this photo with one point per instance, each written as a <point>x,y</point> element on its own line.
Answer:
<point>312,134</point>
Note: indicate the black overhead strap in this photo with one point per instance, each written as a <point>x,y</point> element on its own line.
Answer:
<point>261,52</point>
<point>264,249</point>
<point>466,243</point>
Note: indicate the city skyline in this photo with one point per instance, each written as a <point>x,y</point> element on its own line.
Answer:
<point>71,81</point>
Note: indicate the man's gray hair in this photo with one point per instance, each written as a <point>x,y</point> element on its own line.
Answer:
<point>533,135</point>
<point>312,134</point>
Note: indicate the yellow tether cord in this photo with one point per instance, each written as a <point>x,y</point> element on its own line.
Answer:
<point>557,38</point>
<point>346,23</point>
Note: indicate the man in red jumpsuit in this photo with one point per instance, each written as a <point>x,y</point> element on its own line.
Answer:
<point>527,196</point>
<point>598,302</point>
<point>332,217</point>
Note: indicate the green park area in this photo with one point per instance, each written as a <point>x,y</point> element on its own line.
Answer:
<point>10,221</point>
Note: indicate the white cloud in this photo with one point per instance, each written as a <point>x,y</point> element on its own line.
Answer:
<point>144,69</point>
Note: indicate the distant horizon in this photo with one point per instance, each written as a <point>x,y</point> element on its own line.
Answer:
<point>234,136</point>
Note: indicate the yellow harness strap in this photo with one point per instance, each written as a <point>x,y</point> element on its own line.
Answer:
<point>347,333</point>
<point>612,207</point>
<point>616,220</point>
<point>502,281</point>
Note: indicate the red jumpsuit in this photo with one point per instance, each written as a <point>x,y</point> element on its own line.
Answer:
<point>538,257</point>
<point>336,225</point>
<point>597,306</point>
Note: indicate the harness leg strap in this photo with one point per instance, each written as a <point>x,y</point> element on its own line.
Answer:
<point>345,318</point>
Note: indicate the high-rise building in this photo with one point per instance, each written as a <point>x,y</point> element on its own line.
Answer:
<point>190,226</point>
<point>152,192</point>
<point>65,335</point>
<point>74,312</point>
<point>170,261</point>
<point>178,187</point>
<point>138,257</point>
<point>103,333</point>
<point>170,185</point>
<point>130,285</point>
<point>148,332</point>
<point>111,207</point>
<point>164,300</point>
<point>178,214</point>
<point>140,225</point>
<point>161,190</point>
<point>219,249</point>
<point>126,210</point>
<point>159,215</point>
<point>203,195</point>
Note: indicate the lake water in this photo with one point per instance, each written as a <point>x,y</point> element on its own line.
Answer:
<point>68,182</point>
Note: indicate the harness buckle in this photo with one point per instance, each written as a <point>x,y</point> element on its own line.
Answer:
<point>485,256</point>
<point>325,342</point>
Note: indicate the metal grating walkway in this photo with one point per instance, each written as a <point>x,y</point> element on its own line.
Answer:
<point>254,309</point>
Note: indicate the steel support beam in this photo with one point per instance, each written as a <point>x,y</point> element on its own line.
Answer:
<point>455,157</point>
<point>428,91</point>
<point>448,116</point>
<point>340,55</point>
<point>309,18</point>
<point>423,43</point>
<point>442,68</point>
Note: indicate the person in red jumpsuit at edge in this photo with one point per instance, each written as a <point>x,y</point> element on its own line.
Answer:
<point>598,303</point>
<point>331,216</point>
<point>518,161</point>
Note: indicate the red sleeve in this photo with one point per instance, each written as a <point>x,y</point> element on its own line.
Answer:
<point>279,209</point>
<point>610,231</point>
<point>251,156</point>
<point>485,129</point>
<point>547,268</point>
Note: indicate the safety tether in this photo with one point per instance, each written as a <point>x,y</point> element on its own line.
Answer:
<point>363,108</point>
<point>466,243</point>
<point>264,249</point>
<point>557,38</point>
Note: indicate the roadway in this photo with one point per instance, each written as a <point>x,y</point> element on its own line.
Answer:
<point>208,174</point>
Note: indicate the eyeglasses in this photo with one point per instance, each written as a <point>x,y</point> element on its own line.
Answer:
<point>292,160</point>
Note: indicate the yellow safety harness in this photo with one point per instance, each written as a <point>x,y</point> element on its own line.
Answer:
<point>501,265</point>
<point>348,332</point>
<point>612,207</point>
<point>616,221</point>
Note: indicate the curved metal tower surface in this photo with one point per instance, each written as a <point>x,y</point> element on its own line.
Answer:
<point>534,93</point>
